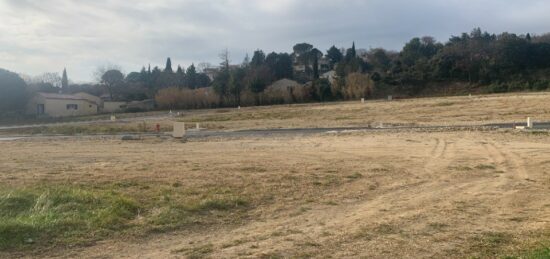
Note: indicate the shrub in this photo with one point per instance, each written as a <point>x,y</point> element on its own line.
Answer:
<point>357,86</point>
<point>540,85</point>
<point>498,88</point>
<point>13,92</point>
<point>174,98</point>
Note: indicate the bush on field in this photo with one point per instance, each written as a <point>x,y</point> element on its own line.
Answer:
<point>174,98</point>
<point>357,86</point>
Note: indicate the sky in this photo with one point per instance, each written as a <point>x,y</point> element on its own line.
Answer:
<point>38,36</point>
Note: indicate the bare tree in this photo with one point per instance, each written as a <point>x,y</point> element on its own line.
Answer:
<point>48,78</point>
<point>224,56</point>
<point>201,67</point>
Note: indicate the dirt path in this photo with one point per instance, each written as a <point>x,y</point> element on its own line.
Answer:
<point>423,195</point>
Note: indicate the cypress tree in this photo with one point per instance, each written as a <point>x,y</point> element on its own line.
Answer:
<point>64,82</point>
<point>168,66</point>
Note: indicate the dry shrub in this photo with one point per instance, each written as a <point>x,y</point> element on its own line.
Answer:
<point>357,86</point>
<point>174,98</point>
<point>285,95</point>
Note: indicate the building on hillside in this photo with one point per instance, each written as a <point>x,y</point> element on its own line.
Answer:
<point>60,105</point>
<point>114,106</point>
<point>330,76</point>
<point>91,97</point>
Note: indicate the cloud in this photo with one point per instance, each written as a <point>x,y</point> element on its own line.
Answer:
<point>48,35</point>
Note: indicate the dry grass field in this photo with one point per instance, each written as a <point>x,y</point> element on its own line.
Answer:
<point>384,194</point>
<point>460,110</point>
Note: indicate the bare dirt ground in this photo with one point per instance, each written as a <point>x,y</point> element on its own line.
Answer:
<point>396,194</point>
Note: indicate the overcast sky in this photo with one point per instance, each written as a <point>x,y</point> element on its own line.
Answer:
<point>39,36</point>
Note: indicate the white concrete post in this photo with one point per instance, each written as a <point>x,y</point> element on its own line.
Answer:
<point>113,118</point>
<point>529,123</point>
<point>390,98</point>
<point>179,130</point>
<point>198,127</point>
<point>238,108</point>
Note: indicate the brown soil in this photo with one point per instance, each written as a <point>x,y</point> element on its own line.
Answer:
<point>375,195</point>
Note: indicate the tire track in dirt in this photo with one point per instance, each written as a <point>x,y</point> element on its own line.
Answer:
<point>514,161</point>
<point>434,197</point>
<point>509,162</point>
<point>437,155</point>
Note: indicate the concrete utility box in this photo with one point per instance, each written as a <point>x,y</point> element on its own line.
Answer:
<point>529,123</point>
<point>390,98</point>
<point>362,100</point>
<point>179,130</point>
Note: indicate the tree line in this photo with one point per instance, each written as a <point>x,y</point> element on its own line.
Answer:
<point>478,59</point>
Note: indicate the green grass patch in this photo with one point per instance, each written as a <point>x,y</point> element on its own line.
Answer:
<point>491,244</point>
<point>60,215</point>
<point>37,217</point>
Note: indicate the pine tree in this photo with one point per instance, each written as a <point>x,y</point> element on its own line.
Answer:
<point>351,53</point>
<point>180,77</point>
<point>168,66</point>
<point>334,55</point>
<point>64,82</point>
<point>191,77</point>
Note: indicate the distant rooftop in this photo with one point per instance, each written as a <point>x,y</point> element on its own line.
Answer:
<point>63,97</point>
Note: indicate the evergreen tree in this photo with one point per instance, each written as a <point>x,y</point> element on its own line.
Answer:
<point>334,55</point>
<point>180,76</point>
<point>144,76</point>
<point>223,77</point>
<point>351,53</point>
<point>191,77</point>
<point>283,67</point>
<point>13,92</point>
<point>64,82</point>
<point>246,61</point>
<point>168,68</point>
<point>258,59</point>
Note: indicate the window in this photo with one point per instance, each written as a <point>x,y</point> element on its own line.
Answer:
<point>72,106</point>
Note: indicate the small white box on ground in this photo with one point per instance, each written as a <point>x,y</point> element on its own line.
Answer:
<point>198,126</point>
<point>390,98</point>
<point>362,100</point>
<point>179,130</point>
<point>529,123</point>
<point>113,118</point>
